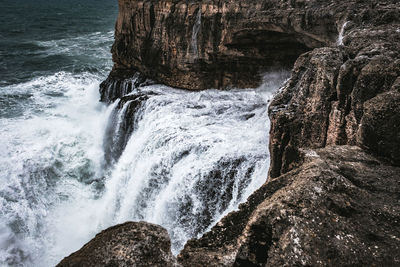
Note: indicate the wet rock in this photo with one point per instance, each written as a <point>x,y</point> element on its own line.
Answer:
<point>340,208</point>
<point>121,83</point>
<point>128,244</point>
<point>333,93</point>
<point>122,123</point>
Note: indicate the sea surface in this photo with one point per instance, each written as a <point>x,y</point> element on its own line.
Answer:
<point>192,157</point>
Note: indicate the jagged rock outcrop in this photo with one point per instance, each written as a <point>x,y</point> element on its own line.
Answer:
<point>121,83</point>
<point>343,95</point>
<point>340,208</point>
<point>128,244</point>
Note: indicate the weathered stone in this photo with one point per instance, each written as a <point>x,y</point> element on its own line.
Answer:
<point>121,83</point>
<point>340,208</point>
<point>128,244</point>
<point>325,100</point>
<point>379,129</point>
<point>219,44</point>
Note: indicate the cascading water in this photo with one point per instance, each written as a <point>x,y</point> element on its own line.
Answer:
<point>191,157</point>
<point>195,33</point>
<point>341,33</point>
<point>71,166</point>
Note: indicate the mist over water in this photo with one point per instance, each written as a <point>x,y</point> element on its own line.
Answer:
<point>191,157</point>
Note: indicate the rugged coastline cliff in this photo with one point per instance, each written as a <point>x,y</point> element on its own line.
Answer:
<point>332,197</point>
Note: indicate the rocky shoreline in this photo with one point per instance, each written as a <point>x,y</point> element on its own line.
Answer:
<point>332,194</point>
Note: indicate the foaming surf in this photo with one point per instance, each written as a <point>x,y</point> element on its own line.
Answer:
<point>190,158</point>
<point>49,155</point>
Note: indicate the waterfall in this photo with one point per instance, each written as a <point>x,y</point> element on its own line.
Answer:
<point>341,33</point>
<point>195,32</point>
<point>191,157</point>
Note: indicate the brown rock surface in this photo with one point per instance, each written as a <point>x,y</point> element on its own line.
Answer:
<point>340,208</point>
<point>343,95</point>
<point>128,244</point>
<point>219,44</point>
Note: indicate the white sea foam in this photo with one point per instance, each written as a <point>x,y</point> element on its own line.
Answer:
<point>193,157</point>
<point>47,156</point>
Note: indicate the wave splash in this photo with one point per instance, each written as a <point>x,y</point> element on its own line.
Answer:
<point>176,158</point>
<point>189,160</point>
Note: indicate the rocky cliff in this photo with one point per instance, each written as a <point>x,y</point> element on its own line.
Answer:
<point>348,94</point>
<point>340,208</point>
<point>218,44</point>
<point>332,197</point>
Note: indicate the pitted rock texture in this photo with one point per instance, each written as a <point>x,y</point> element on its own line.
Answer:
<point>128,244</point>
<point>340,208</point>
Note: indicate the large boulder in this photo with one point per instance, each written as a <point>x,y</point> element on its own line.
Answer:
<point>128,244</point>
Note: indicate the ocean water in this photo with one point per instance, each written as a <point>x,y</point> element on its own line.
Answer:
<point>191,158</point>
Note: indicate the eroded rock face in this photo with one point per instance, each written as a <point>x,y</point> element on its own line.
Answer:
<point>121,83</point>
<point>343,95</point>
<point>128,244</point>
<point>220,44</point>
<point>340,208</point>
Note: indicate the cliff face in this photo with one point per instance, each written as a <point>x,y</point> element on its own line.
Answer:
<point>343,95</point>
<point>219,44</point>
<point>332,197</point>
